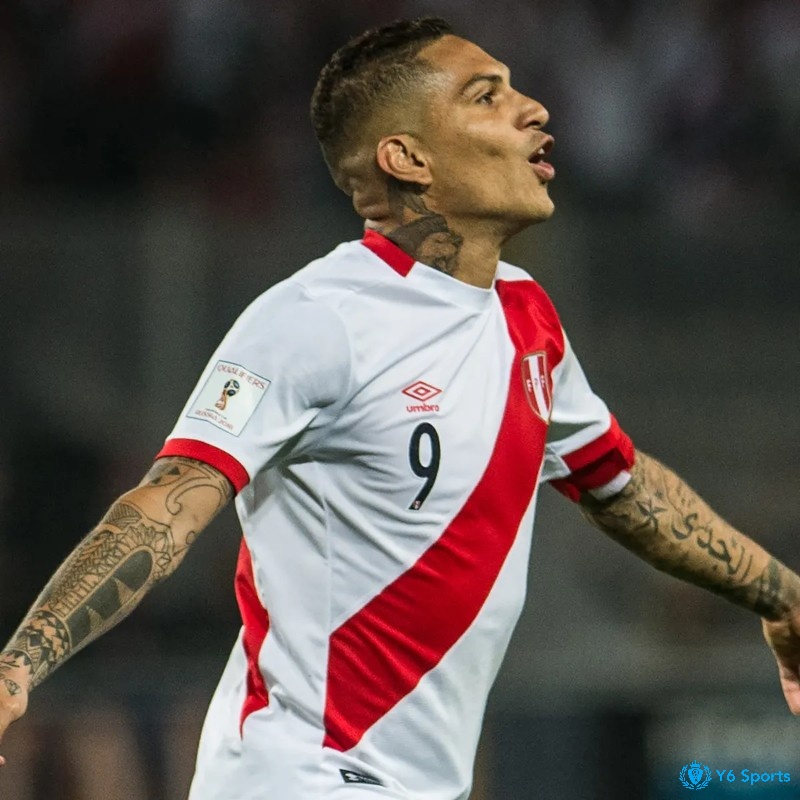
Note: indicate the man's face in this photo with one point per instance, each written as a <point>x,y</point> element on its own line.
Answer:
<point>484,140</point>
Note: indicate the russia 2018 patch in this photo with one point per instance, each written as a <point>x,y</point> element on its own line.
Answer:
<point>229,397</point>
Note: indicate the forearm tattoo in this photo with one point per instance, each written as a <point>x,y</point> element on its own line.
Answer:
<point>426,235</point>
<point>112,569</point>
<point>662,520</point>
<point>10,663</point>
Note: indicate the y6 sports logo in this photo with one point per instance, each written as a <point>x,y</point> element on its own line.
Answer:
<point>698,776</point>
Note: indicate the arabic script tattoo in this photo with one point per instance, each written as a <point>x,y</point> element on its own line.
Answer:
<point>662,520</point>
<point>111,570</point>
<point>426,236</point>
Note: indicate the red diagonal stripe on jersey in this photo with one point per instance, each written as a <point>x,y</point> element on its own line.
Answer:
<point>382,652</point>
<point>256,624</point>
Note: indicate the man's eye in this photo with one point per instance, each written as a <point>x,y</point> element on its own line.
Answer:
<point>487,98</point>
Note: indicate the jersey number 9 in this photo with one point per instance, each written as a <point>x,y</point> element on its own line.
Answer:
<point>428,471</point>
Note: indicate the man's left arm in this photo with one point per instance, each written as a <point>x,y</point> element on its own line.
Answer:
<point>663,521</point>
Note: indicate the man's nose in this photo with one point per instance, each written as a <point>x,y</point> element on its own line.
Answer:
<point>534,114</point>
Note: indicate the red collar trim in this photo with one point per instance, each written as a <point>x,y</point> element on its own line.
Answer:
<point>400,261</point>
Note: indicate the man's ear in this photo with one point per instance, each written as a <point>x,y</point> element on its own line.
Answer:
<point>402,157</point>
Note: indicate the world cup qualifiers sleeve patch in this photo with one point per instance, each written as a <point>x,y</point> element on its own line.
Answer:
<point>229,397</point>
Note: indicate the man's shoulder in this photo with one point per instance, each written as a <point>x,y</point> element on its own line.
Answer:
<point>333,275</point>
<point>516,282</point>
<point>508,272</point>
<point>346,269</point>
<point>521,281</point>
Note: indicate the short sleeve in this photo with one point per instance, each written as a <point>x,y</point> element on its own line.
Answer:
<point>586,450</point>
<point>281,367</point>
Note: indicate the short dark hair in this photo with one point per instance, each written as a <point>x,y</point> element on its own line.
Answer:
<point>367,72</point>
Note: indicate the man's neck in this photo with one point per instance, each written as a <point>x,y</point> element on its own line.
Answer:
<point>431,239</point>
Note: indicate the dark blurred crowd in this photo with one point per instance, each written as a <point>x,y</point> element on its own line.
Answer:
<point>653,101</point>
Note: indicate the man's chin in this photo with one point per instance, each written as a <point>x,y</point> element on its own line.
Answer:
<point>546,210</point>
<point>540,211</point>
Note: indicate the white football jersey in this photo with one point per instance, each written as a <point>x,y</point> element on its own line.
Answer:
<point>386,427</point>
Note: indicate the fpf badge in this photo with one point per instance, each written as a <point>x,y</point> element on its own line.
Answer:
<point>536,380</point>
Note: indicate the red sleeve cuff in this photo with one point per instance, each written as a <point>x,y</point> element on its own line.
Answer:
<point>597,463</point>
<point>201,451</point>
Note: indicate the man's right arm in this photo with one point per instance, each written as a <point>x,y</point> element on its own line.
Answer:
<point>141,540</point>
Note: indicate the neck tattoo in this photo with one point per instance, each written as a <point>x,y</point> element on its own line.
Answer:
<point>426,236</point>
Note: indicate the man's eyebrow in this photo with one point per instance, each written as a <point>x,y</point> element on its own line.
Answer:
<point>492,77</point>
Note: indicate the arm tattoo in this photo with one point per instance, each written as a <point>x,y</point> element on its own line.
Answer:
<point>183,475</point>
<point>12,661</point>
<point>426,236</point>
<point>660,519</point>
<point>112,569</point>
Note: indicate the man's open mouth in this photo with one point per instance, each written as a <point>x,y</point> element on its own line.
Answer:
<point>543,169</point>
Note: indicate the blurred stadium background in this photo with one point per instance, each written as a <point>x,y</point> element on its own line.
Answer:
<point>158,171</point>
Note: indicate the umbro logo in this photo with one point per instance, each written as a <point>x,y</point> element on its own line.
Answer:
<point>348,776</point>
<point>421,392</point>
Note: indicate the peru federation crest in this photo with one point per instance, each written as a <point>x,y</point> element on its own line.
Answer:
<point>536,380</point>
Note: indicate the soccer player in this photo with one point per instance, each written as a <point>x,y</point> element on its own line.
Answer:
<point>385,417</point>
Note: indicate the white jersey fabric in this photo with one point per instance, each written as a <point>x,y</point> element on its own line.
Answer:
<point>386,427</point>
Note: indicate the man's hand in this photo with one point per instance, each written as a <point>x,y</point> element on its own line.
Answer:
<point>783,637</point>
<point>14,677</point>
